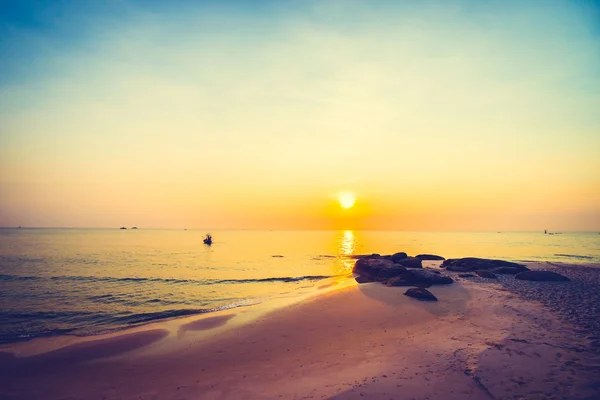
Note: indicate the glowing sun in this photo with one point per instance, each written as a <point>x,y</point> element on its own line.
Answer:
<point>347,200</point>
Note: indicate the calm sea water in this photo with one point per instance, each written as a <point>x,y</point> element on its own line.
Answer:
<point>87,281</point>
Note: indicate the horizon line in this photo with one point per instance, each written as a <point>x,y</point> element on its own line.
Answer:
<point>307,230</point>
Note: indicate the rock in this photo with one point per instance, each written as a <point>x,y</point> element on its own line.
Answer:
<point>486,274</point>
<point>376,269</point>
<point>361,256</point>
<point>419,277</point>
<point>406,281</point>
<point>425,276</point>
<point>471,264</point>
<point>541,276</point>
<point>457,268</point>
<point>435,271</point>
<point>410,262</point>
<point>421,294</point>
<point>401,280</point>
<point>362,279</point>
<point>398,256</point>
<point>506,270</point>
<point>466,275</point>
<point>430,257</point>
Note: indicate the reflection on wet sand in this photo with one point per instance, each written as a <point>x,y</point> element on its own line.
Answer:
<point>205,323</point>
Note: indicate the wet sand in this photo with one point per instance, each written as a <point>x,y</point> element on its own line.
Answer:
<point>481,340</point>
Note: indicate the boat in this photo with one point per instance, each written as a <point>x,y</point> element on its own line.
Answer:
<point>122,227</point>
<point>208,239</point>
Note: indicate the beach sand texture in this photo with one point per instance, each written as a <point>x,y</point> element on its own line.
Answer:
<point>479,341</point>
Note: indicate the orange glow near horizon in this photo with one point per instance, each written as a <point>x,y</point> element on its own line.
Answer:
<point>314,122</point>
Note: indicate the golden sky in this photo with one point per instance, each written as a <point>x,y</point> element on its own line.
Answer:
<point>436,115</point>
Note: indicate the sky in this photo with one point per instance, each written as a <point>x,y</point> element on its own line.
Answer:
<point>436,115</point>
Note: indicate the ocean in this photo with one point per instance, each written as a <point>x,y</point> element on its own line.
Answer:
<point>91,281</point>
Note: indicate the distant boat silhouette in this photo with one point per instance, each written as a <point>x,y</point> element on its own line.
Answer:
<point>208,239</point>
<point>134,227</point>
<point>122,227</point>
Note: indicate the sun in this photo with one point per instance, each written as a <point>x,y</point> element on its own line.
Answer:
<point>347,200</point>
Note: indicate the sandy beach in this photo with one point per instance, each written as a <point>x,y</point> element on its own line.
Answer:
<point>479,341</point>
<point>323,199</point>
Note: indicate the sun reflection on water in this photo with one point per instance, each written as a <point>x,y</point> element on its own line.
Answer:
<point>347,245</point>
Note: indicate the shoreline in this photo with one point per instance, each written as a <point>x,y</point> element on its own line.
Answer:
<point>479,340</point>
<point>272,304</point>
<point>320,282</point>
<point>241,315</point>
<point>252,302</point>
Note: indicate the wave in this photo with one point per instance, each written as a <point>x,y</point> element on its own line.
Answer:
<point>24,336</point>
<point>19,278</point>
<point>140,303</point>
<point>42,315</point>
<point>139,318</point>
<point>574,256</point>
<point>165,280</point>
<point>84,321</point>
<point>283,279</point>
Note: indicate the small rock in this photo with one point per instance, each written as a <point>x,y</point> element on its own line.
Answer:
<point>486,274</point>
<point>423,275</point>
<point>410,262</point>
<point>470,264</point>
<point>420,294</point>
<point>546,276</point>
<point>361,256</point>
<point>398,256</point>
<point>457,268</point>
<point>506,270</point>
<point>362,279</point>
<point>430,257</point>
<point>435,271</point>
<point>401,280</point>
<point>419,277</point>
<point>373,255</point>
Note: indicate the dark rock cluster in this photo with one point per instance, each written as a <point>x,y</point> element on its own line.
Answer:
<point>489,269</point>
<point>472,264</point>
<point>547,276</point>
<point>578,299</point>
<point>419,278</point>
<point>399,269</point>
